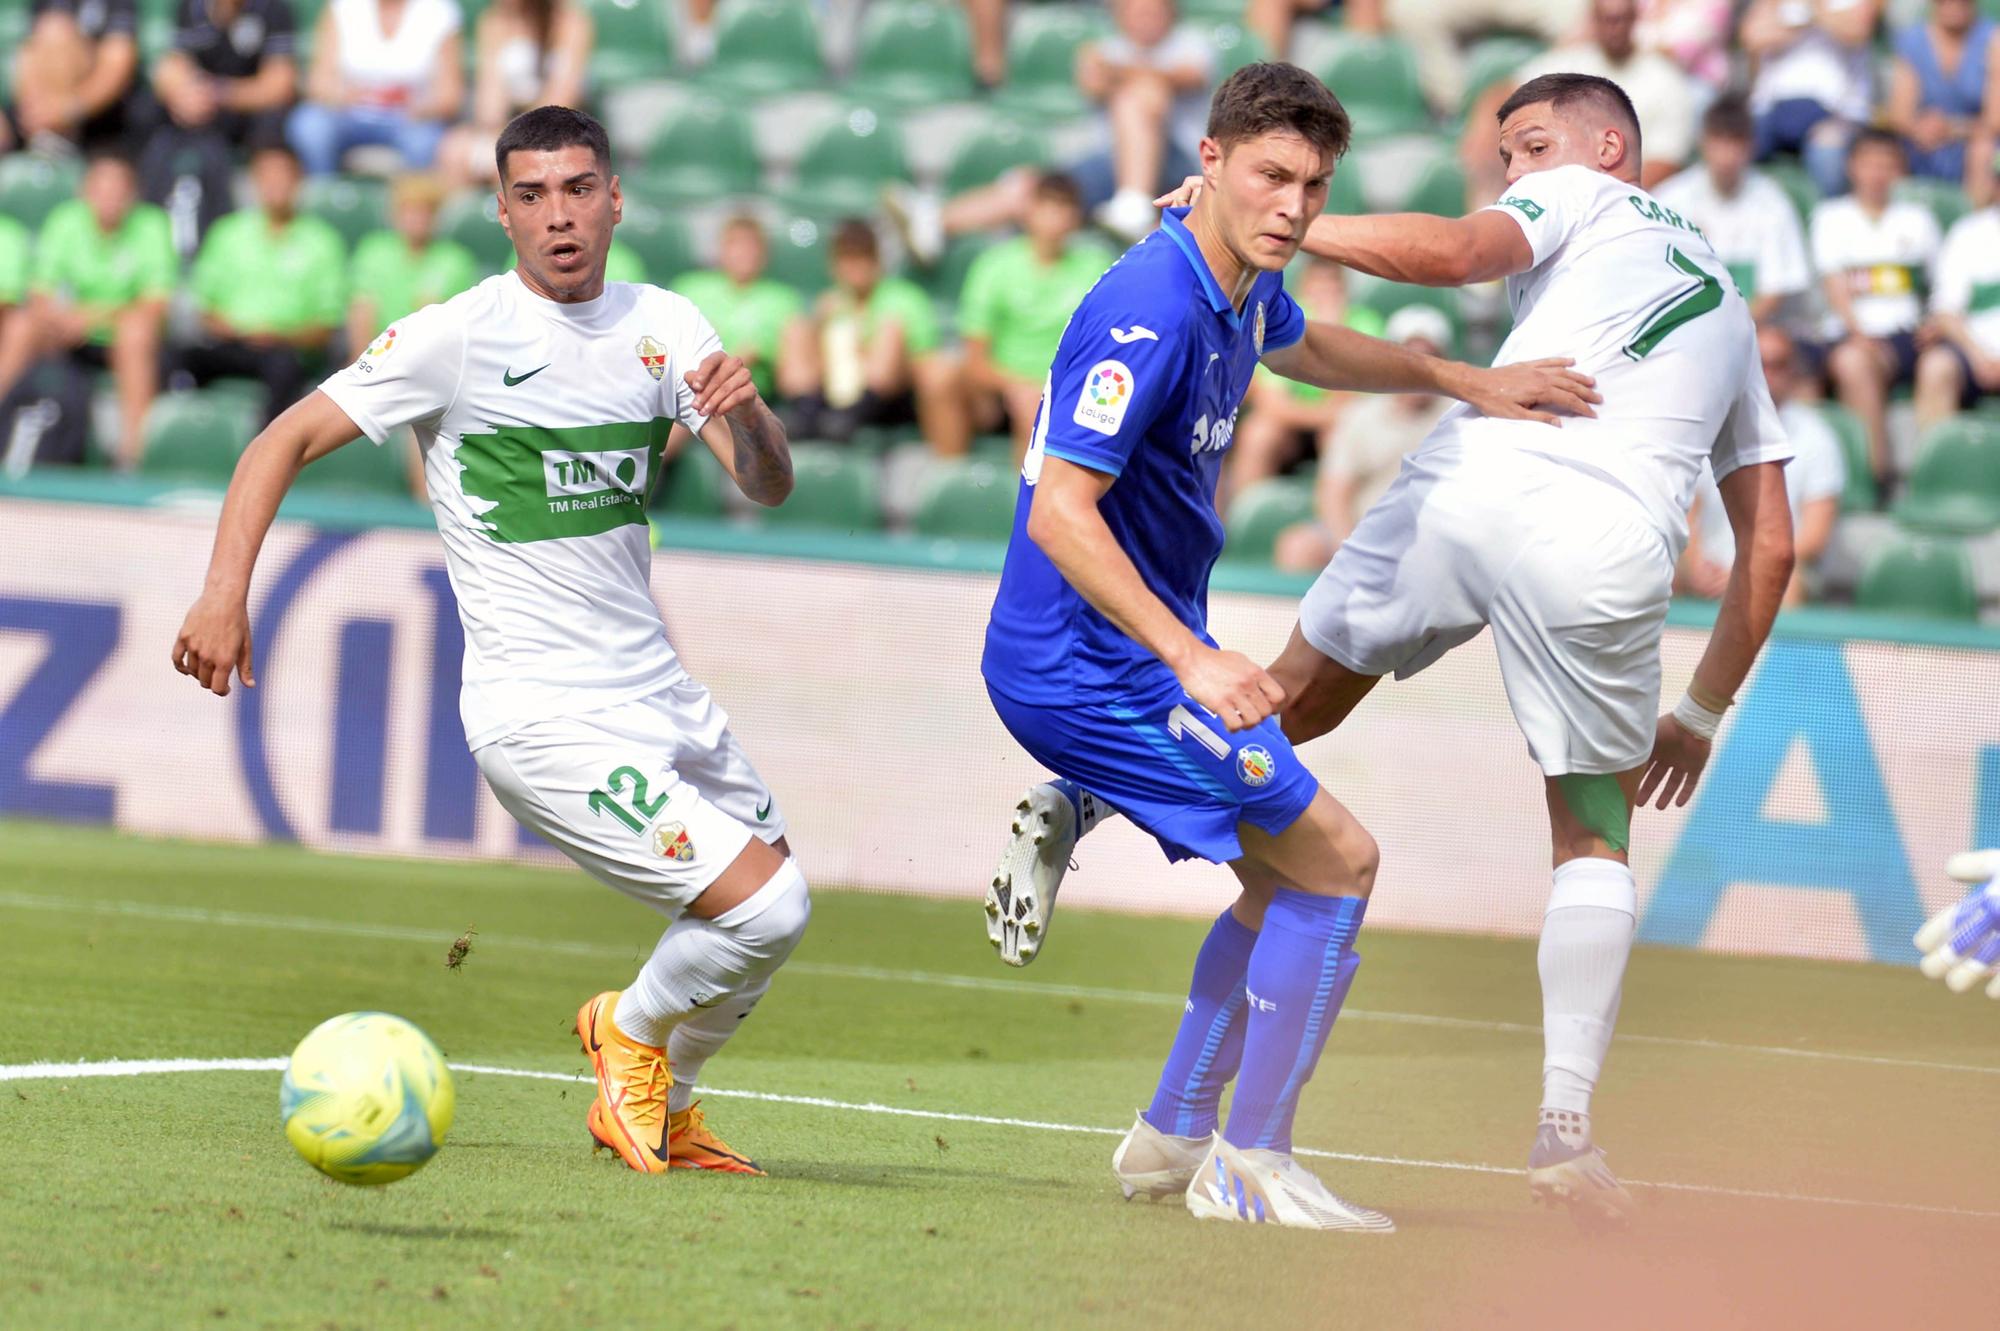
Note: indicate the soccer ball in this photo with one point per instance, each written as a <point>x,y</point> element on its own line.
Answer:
<point>367,1098</point>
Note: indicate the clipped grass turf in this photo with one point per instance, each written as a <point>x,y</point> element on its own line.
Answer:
<point>173,1200</point>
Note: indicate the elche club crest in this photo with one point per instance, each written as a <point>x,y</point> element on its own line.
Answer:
<point>671,840</point>
<point>653,356</point>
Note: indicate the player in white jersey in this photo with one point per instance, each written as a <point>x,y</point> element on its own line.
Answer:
<point>541,399</point>
<point>1562,538</point>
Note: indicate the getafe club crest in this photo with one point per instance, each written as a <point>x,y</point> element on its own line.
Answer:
<point>654,356</point>
<point>1255,765</point>
<point>1259,334</point>
<point>671,839</point>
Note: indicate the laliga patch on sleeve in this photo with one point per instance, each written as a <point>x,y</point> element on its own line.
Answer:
<point>377,350</point>
<point>1107,391</point>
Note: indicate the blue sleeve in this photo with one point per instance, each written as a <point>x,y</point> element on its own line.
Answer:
<point>1117,370</point>
<point>1284,321</point>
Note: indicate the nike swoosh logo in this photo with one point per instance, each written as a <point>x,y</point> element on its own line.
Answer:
<point>765,811</point>
<point>1138,333</point>
<point>509,378</point>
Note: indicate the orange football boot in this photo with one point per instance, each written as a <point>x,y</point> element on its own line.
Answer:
<point>629,1114</point>
<point>691,1145</point>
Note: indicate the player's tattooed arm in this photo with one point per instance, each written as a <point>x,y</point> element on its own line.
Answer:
<point>743,433</point>
<point>215,637</point>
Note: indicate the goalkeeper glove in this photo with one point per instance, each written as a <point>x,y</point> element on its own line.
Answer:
<point>1961,944</point>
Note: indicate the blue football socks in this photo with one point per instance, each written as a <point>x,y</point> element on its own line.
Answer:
<point>1210,1043</point>
<point>1300,971</point>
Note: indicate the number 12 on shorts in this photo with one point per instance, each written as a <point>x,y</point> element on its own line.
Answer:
<point>637,810</point>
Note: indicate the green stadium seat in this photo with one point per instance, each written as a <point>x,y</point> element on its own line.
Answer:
<point>1859,497</point>
<point>1343,193</point>
<point>633,42</point>
<point>798,254</point>
<point>1234,46</point>
<point>1944,198</point>
<point>1216,10</point>
<point>946,278</point>
<point>473,220</point>
<point>693,484</point>
<point>1385,298</point>
<point>913,54</point>
<point>1376,80</point>
<point>1439,189</point>
<point>1798,186</point>
<point>1260,513</point>
<point>31,185</point>
<point>1919,575</point>
<point>1955,485</point>
<point>968,500</point>
<point>1041,61</point>
<point>658,237</point>
<point>847,163</point>
<point>197,436</point>
<point>990,154</point>
<point>352,205</point>
<point>1491,61</point>
<point>705,149</point>
<point>764,47</point>
<point>833,490</point>
<point>362,468</point>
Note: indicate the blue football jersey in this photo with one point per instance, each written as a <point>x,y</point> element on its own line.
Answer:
<point>1145,387</point>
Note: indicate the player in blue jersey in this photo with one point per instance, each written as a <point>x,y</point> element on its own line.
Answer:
<point>1099,662</point>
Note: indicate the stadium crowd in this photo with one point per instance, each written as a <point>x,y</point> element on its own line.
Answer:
<point>898,205</point>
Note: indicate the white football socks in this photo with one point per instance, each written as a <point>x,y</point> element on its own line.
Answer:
<point>1586,941</point>
<point>695,1040</point>
<point>699,964</point>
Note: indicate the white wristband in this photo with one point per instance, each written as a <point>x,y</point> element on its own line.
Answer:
<point>1696,719</point>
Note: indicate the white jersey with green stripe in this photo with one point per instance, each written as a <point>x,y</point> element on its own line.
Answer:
<point>541,426</point>
<point>1631,292</point>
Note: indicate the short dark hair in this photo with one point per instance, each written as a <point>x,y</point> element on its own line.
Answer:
<point>547,128</point>
<point>1562,91</point>
<point>110,152</point>
<point>744,222</point>
<point>278,146</point>
<point>1870,136</point>
<point>1267,95</point>
<point>1058,187</point>
<point>1728,117</point>
<point>853,238</point>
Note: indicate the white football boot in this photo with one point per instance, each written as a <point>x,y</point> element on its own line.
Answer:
<point>1272,1188</point>
<point>1561,1173</point>
<point>1155,1163</point>
<point>1022,895</point>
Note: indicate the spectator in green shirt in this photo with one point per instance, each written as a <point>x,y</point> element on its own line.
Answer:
<point>1283,421</point>
<point>749,311</point>
<point>1018,297</point>
<point>398,272</point>
<point>103,273</point>
<point>868,356</point>
<point>271,287</point>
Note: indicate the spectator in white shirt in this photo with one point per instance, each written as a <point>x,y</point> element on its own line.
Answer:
<point>1747,217</point>
<point>1814,78</point>
<point>1874,255</point>
<point>1661,93</point>
<point>1961,359</point>
<point>1814,480</point>
<point>1151,77</point>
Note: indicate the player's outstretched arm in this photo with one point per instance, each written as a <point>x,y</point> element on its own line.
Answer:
<point>1330,356</point>
<point>1760,515</point>
<point>215,637</point>
<point>1961,943</point>
<point>1065,523</point>
<point>743,433</point>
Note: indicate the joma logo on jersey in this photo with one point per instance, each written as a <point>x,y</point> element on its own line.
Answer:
<point>587,480</point>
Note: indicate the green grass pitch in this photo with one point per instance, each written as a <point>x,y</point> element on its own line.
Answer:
<point>172,1199</point>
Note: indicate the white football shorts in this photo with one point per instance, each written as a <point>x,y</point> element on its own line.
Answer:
<point>653,797</point>
<point>1570,571</point>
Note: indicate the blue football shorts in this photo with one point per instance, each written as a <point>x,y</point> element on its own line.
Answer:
<point>1168,764</point>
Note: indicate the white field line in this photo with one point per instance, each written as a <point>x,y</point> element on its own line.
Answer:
<point>637,950</point>
<point>152,1067</point>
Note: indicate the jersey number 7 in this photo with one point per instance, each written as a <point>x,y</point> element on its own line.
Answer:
<point>1691,303</point>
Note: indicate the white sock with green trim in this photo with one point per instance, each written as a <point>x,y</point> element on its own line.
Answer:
<point>1586,941</point>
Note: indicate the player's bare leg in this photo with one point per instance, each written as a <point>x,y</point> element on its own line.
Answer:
<point>1319,872</point>
<point>1586,942</point>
